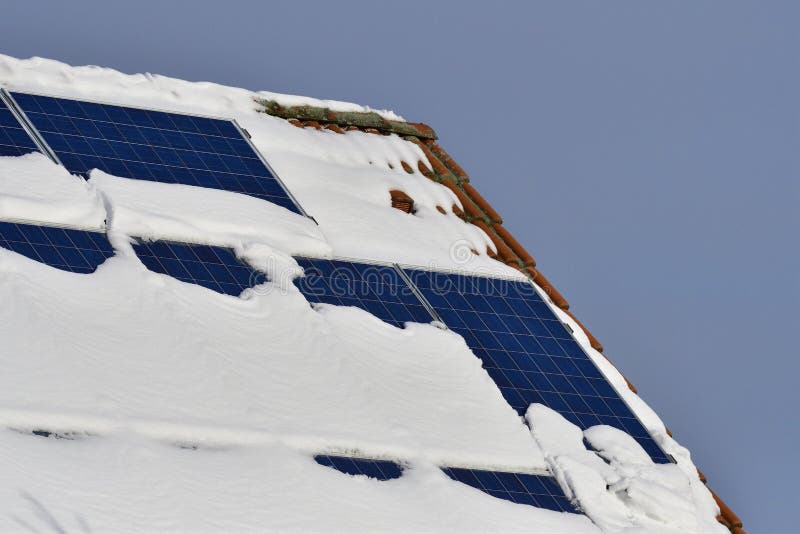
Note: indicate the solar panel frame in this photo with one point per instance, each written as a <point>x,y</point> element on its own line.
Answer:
<point>132,155</point>
<point>561,375</point>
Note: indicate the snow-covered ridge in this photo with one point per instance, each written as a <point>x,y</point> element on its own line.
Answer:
<point>142,90</point>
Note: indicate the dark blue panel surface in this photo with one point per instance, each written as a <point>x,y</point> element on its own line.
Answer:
<point>77,251</point>
<point>14,141</point>
<point>380,469</point>
<point>215,268</point>
<point>152,145</point>
<point>527,351</point>
<point>521,488</point>
<point>378,289</point>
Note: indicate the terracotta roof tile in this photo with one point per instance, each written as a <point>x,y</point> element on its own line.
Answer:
<point>401,201</point>
<point>480,201</point>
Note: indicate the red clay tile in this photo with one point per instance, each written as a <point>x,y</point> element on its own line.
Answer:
<point>481,202</point>
<point>454,167</point>
<point>401,201</point>
<point>470,208</point>
<point>424,169</point>
<point>526,258</point>
<point>334,128</point>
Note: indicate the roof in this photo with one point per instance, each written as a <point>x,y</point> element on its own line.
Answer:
<point>476,210</point>
<point>171,254</point>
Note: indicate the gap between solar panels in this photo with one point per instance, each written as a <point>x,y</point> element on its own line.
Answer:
<point>147,144</point>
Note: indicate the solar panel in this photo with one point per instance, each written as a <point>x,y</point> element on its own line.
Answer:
<point>14,140</point>
<point>77,251</point>
<point>521,488</point>
<point>152,145</point>
<point>527,351</point>
<point>379,469</point>
<point>378,289</point>
<point>215,268</point>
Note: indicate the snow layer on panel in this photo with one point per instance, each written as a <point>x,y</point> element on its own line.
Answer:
<point>178,212</point>
<point>125,347</point>
<point>617,485</point>
<point>343,180</point>
<point>129,484</point>
<point>34,188</point>
<point>142,90</point>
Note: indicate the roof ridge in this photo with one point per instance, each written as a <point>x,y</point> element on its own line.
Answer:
<point>359,119</point>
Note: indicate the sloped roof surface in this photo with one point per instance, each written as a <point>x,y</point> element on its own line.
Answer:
<point>189,347</point>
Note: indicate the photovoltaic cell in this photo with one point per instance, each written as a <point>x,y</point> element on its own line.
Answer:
<point>14,140</point>
<point>379,469</point>
<point>378,289</point>
<point>527,351</point>
<point>77,251</point>
<point>152,145</point>
<point>215,268</point>
<point>521,488</point>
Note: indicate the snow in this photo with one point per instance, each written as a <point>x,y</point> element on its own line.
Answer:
<point>619,487</point>
<point>223,369</point>
<point>177,212</point>
<point>196,411</point>
<point>130,484</point>
<point>35,188</point>
<point>39,74</point>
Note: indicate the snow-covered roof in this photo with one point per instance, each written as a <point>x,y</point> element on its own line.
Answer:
<point>132,400</point>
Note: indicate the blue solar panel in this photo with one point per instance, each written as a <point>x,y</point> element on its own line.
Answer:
<point>152,145</point>
<point>380,469</point>
<point>521,488</point>
<point>14,140</point>
<point>378,289</point>
<point>215,268</point>
<point>527,351</point>
<point>77,251</point>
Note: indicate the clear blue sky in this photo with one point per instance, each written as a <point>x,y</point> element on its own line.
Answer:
<point>646,154</point>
